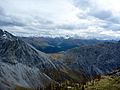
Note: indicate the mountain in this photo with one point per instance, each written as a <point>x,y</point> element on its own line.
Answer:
<point>22,65</point>
<point>55,45</point>
<point>95,60</point>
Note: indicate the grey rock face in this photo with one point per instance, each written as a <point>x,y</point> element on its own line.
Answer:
<point>1,32</point>
<point>94,59</point>
<point>21,75</point>
<point>14,50</point>
<point>21,64</point>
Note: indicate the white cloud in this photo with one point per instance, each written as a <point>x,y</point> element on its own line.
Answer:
<point>74,18</point>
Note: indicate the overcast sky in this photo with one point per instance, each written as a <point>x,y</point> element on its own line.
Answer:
<point>68,18</point>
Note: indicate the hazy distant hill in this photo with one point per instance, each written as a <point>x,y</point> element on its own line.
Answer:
<point>54,45</point>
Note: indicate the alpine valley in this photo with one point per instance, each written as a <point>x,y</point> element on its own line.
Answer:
<point>38,63</point>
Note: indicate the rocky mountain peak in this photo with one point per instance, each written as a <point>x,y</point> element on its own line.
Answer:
<point>1,32</point>
<point>4,35</point>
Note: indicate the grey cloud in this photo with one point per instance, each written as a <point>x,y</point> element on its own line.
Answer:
<point>72,26</point>
<point>83,4</point>
<point>63,27</point>
<point>36,24</point>
<point>101,14</point>
<point>42,20</point>
<point>114,19</point>
<point>8,20</point>
<point>2,11</point>
<point>93,9</point>
<point>111,26</point>
<point>105,15</point>
<point>110,21</point>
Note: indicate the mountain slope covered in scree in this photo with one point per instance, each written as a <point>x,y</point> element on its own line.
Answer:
<point>22,65</point>
<point>95,60</point>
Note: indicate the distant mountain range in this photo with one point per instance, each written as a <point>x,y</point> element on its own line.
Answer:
<point>55,45</point>
<point>22,64</point>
